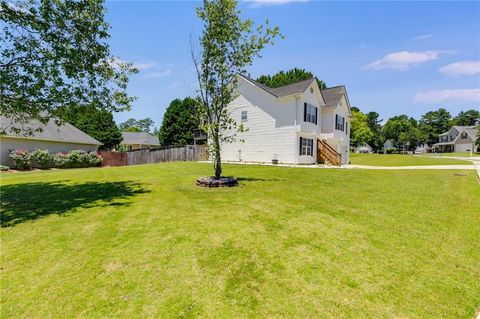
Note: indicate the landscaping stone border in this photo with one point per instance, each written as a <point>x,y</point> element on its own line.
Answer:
<point>211,181</point>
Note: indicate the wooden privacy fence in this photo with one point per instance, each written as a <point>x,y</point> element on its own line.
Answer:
<point>155,155</point>
<point>113,158</point>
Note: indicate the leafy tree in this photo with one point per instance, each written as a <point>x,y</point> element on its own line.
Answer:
<point>434,123</point>
<point>403,132</point>
<point>467,118</point>
<point>412,138</point>
<point>291,76</point>
<point>360,133</point>
<point>133,125</point>
<point>178,123</point>
<point>229,45</point>
<point>374,123</point>
<point>132,129</point>
<point>98,123</point>
<point>54,54</point>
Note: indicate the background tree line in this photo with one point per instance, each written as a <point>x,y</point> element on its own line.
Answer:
<point>404,132</point>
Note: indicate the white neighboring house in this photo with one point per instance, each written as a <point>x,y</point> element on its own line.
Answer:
<point>457,139</point>
<point>290,123</point>
<point>365,149</point>
<point>54,138</point>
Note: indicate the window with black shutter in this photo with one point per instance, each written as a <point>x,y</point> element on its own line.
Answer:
<point>306,146</point>
<point>310,113</point>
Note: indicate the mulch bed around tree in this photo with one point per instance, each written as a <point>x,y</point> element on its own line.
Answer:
<point>211,181</point>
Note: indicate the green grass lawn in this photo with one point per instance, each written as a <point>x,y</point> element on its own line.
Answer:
<point>145,242</point>
<point>457,154</point>
<point>401,160</point>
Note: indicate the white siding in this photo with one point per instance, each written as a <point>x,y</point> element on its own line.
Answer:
<point>275,126</point>
<point>340,140</point>
<point>271,127</point>
<point>7,144</point>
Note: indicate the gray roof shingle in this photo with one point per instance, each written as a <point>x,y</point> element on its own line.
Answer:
<point>290,89</point>
<point>139,138</point>
<point>333,95</point>
<point>66,132</point>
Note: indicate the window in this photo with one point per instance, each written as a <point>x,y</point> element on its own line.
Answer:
<point>306,146</point>
<point>463,136</point>
<point>244,116</point>
<point>310,113</point>
<point>339,122</point>
<point>346,128</point>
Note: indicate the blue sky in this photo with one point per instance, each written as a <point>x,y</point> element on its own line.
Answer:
<point>394,57</point>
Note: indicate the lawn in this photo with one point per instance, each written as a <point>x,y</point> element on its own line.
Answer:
<point>401,160</point>
<point>145,242</point>
<point>456,154</point>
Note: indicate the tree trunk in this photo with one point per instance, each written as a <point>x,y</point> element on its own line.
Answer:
<point>217,161</point>
<point>218,164</point>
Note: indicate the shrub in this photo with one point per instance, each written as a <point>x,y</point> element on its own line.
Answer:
<point>60,160</point>
<point>4,168</point>
<point>94,159</point>
<point>41,158</point>
<point>21,159</point>
<point>76,159</point>
<point>390,150</point>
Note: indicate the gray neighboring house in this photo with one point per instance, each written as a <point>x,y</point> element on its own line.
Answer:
<point>457,139</point>
<point>54,138</point>
<point>137,140</point>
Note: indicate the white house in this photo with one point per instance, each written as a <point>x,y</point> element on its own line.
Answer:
<point>296,123</point>
<point>457,139</point>
<point>365,148</point>
<point>54,138</point>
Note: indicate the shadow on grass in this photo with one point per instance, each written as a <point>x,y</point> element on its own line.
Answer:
<point>29,201</point>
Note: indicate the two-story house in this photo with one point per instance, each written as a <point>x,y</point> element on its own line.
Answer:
<point>457,139</point>
<point>296,123</point>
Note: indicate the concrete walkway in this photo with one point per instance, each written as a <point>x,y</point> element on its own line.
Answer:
<point>413,167</point>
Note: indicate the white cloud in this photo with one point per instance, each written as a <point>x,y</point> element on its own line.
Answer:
<point>261,3</point>
<point>461,68</point>
<point>158,74</point>
<point>145,65</point>
<point>139,65</point>
<point>403,60</point>
<point>452,96</point>
<point>423,36</point>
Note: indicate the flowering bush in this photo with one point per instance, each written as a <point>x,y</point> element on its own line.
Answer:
<point>21,159</point>
<point>83,159</point>
<point>41,158</point>
<point>60,160</point>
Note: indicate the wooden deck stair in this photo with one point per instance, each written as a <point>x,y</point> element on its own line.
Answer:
<point>326,154</point>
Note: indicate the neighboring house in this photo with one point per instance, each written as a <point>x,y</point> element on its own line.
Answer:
<point>388,144</point>
<point>457,139</point>
<point>137,140</point>
<point>422,149</point>
<point>296,123</point>
<point>365,148</point>
<point>54,138</point>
